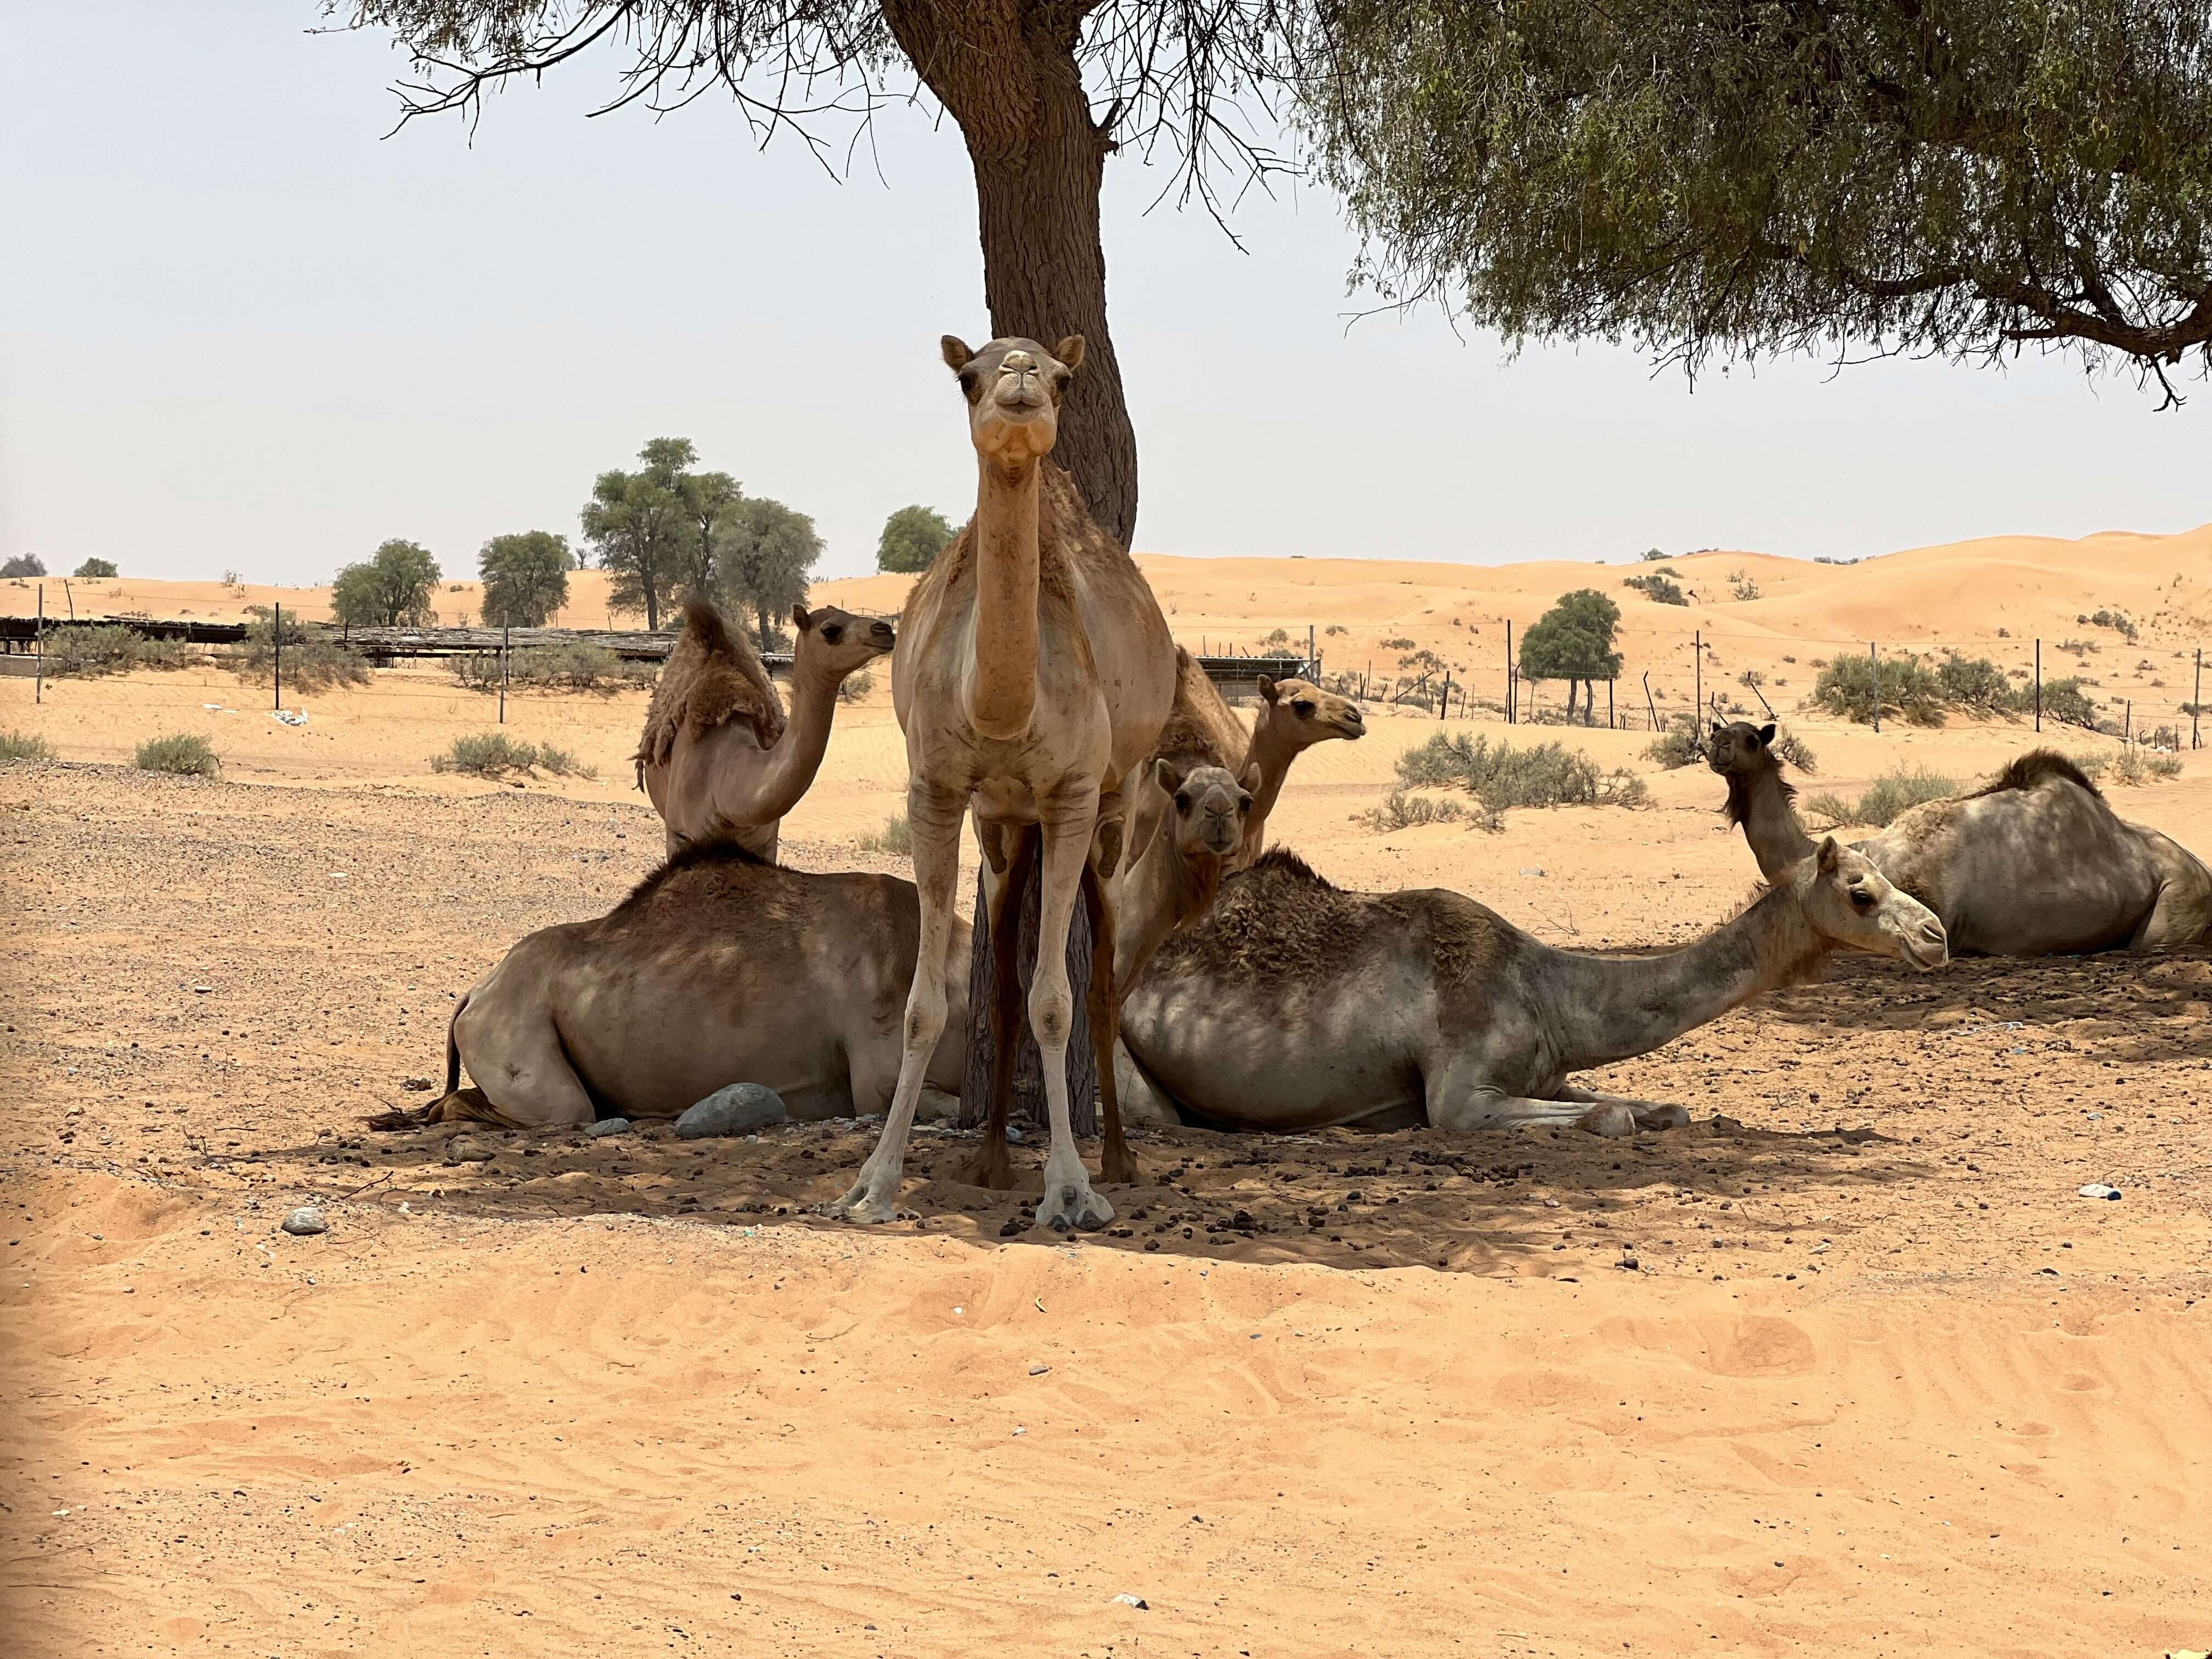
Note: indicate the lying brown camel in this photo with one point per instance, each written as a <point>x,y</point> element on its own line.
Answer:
<point>1202,730</point>
<point>2035,863</point>
<point>1297,1006</point>
<point>717,758</point>
<point>720,968</point>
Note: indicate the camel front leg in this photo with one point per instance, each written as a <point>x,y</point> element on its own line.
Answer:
<point>934,815</point>
<point>1070,817</point>
<point>1648,1114</point>
<point>1461,1098</point>
<point>993,1167</point>
<point>1116,1163</point>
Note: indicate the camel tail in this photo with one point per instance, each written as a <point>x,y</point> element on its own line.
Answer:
<point>456,1106</point>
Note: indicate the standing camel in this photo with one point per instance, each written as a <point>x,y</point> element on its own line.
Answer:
<point>1296,1006</point>
<point>2035,864</point>
<point>1202,730</point>
<point>1036,671</point>
<point>717,759</point>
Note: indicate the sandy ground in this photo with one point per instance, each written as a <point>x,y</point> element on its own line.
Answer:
<point>1877,1381</point>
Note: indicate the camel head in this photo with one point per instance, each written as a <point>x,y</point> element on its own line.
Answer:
<point>1013,387</point>
<point>1306,715</point>
<point>838,641</point>
<point>1210,807</point>
<point>1741,750</point>
<point>1850,903</point>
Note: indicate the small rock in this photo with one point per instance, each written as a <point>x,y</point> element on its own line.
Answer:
<point>738,1109</point>
<point>1129,1600</point>
<point>203,989</point>
<point>306,1221</point>
<point>1531,870</point>
<point>418,1085</point>
<point>464,1149</point>
<point>2097,1190</point>
<point>1039,1370</point>
<point>608,1125</point>
<point>1628,1264</point>
<point>1014,1132</point>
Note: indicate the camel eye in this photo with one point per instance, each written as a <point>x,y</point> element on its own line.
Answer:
<point>1182,802</point>
<point>834,633</point>
<point>1305,710</point>
<point>1244,803</point>
<point>1861,899</point>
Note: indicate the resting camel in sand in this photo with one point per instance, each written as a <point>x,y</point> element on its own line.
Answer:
<point>721,967</point>
<point>1036,671</point>
<point>2035,864</point>
<point>717,758</point>
<point>1297,1006</point>
<point>1202,730</point>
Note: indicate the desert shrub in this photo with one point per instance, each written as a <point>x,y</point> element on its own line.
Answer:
<point>2065,701</point>
<point>1742,585</point>
<point>1680,745</point>
<point>184,753</point>
<point>1281,637</point>
<point>1543,775</point>
<point>1795,750</point>
<point>2137,767</point>
<point>1978,684</point>
<point>1909,689</point>
<point>493,754</point>
<point>896,838</point>
<point>95,569</point>
<point>1397,645</point>
<point>2164,737</point>
<point>2082,647</point>
<point>314,661</point>
<point>854,687</point>
<point>1400,810</point>
<point>1657,589</point>
<point>1885,799</point>
<point>88,650</point>
<point>2118,621</point>
<point>567,666</point>
<point>1651,555</point>
<point>1335,628</point>
<point>24,746</point>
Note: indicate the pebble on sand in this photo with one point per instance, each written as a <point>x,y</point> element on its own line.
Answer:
<point>1129,1600</point>
<point>738,1109</point>
<point>608,1125</point>
<point>306,1221</point>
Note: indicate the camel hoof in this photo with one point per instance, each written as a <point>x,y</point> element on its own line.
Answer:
<point>1119,1171</point>
<point>1663,1117</point>
<point>859,1206</point>
<point>991,1168</point>
<point>1613,1121</point>
<point>1071,1206</point>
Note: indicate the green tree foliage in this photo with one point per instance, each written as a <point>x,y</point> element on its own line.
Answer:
<point>638,524</point>
<point>93,568</point>
<point>24,564</point>
<point>765,550</point>
<point>710,499</point>
<point>525,577</point>
<point>396,587</point>
<point>1573,641</point>
<point>1957,179</point>
<point>912,537</point>
<point>1657,589</point>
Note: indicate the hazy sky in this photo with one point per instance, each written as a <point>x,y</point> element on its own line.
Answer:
<point>241,328</point>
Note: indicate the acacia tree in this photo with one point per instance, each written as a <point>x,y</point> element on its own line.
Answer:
<point>397,586</point>
<point>1573,641</point>
<point>637,523</point>
<point>1958,179</point>
<point>913,538</point>
<point>765,550</point>
<point>525,577</point>
<point>1019,78</point>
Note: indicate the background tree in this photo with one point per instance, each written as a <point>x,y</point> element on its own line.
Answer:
<point>1956,179</point>
<point>1573,641</point>
<point>24,564</point>
<point>708,500</point>
<point>912,537</point>
<point>637,523</point>
<point>97,568</point>
<point>525,577</point>
<point>765,550</point>
<point>1019,78</point>
<point>396,587</point>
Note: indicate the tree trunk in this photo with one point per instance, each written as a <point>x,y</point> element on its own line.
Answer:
<point>1010,79</point>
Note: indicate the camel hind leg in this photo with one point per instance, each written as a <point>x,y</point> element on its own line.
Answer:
<point>1116,1163</point>
<point>2181,918</point>
<point>524,1080</point>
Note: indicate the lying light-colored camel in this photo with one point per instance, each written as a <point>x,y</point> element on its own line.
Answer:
<point>720,967</point>
<point>2035,864</point>
<point>1296,1005</point>
<point>716,758</point>
<point>1036,671</point>
<point>1202,730</point>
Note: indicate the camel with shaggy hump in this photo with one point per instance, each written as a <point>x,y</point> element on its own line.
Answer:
<point>2035,863</point>
<point>1297,1006</point>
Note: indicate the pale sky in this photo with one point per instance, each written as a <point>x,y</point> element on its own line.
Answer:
<point>240,328</point>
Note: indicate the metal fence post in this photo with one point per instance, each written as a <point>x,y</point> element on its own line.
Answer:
<point>276,639</point>
<point>1874,656</point>
<point>38,629</point>
<point>2196,702</point>
<point>1508,671</point>
<point>2039,685</point>
<point>506,655</point>
<point>1697,662</point>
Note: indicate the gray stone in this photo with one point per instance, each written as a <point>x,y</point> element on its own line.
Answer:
<point>608,1125</point>
<point>306,1221</point>
<point>738,1109</point>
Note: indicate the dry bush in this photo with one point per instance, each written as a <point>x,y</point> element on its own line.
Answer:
<point>1886,798</point>
<point>895,839</point>
<point>183,754</point>
<point>24,746</point>
<point>493,754</point>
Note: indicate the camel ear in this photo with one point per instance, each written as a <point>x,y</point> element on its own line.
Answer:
<point>800,619</point>
<point>1070,352</point>
<point>1251,779</point>
<point>1767,734</point>
<point>1169,774</point>
<point>1267,688</point>
<point>1716,728</point>
<point>956,354</point>
<point>1828,854</point>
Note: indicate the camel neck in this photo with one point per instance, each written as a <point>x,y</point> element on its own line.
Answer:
<point>1608,1008</point>
<point>1161,891</point>
<point>1272,753</point>
<point>797,756</point>
<point>1770,823</point>
<point>1004,692</point>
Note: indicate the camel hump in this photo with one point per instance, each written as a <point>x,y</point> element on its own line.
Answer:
<point>1200,728</point>
<point>714,675</point>
<point>2027,770</point>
